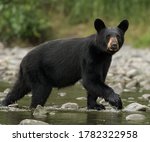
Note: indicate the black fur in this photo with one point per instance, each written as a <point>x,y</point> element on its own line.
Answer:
<point>60,63</point>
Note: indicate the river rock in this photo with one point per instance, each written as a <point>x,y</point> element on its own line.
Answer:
<point>6,91</point>
<point>72,106</point>
<point>131,73</point>
<point>135,117</point>
<point>136,107</point>
<point>139,78</point>
<point>62,94</point>
<point>14,109</point>
<point>52,113</point>
<point>13,105</point>
<point>81,98</point>
<point>32,122</point>
<point>146,96</point>
<point>118,88</point>
<point>40,112</point>
<point>132,84</point>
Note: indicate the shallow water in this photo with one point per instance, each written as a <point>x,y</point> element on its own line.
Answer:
<point>71,94</point>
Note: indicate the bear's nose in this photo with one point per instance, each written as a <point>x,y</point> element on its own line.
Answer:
<point>114,46</point>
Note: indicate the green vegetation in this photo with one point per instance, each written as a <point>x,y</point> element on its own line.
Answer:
<point>36,21</point>
<point>22,20</point>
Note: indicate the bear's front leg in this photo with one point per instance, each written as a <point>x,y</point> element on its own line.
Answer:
<point>102,90</point>
<point>113,99</point>
<point>92,104</point>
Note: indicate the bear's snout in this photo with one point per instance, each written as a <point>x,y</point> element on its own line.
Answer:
<point>113,44</point>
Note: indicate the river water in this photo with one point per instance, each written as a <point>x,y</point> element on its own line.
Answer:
<point>75,94</point>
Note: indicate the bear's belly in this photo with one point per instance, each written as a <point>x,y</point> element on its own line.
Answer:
<point>65,78</point>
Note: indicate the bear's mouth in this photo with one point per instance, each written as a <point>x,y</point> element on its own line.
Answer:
<point>113,48</point>
<point>113,45</point>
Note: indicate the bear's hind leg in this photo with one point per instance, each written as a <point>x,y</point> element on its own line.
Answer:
<point>17,92</point>
<point>92,104</point>
<point>40,93</point>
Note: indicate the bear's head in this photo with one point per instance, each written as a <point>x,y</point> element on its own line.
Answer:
<point>109,39</point>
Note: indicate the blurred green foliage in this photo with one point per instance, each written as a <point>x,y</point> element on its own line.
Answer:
<point>135,10</point>
<point>22,19</point>
<point>39,20</point>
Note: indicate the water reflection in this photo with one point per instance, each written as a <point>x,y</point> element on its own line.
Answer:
<point>76,117</point>
<point>104,118</point>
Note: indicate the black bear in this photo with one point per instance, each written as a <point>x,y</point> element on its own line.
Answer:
<point>60,63</point>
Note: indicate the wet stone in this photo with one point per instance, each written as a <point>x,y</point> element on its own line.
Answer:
<point>131,73</point>
<point>52,113</point>
<point>32,122</point>
<point>62,94</point>
<point>81,98</point>
<point>6,91</point>
<point>40,112</point>
<point>132,84</point>
<point>135,117</point>
<point>146,96</point>
<point>130,98</point>
<point>136,107</point>
<point>13,105</point>
<point>118,88</point>
<point>72,106</point>
<point>13,109</point>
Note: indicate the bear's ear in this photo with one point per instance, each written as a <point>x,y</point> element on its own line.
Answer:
<point>123,25</point>
<point>99,25</point>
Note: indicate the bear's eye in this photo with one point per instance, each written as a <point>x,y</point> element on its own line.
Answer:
<point>118,36</point>
<point>108,37</point>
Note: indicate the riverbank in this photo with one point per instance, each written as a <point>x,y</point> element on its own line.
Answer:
<point>130,68</point>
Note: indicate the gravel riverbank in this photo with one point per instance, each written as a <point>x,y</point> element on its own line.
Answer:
<point>130,68</point>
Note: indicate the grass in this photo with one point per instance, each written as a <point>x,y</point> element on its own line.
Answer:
<point>80,14</point>
<point>67,18</point>
<point>137,36</point>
